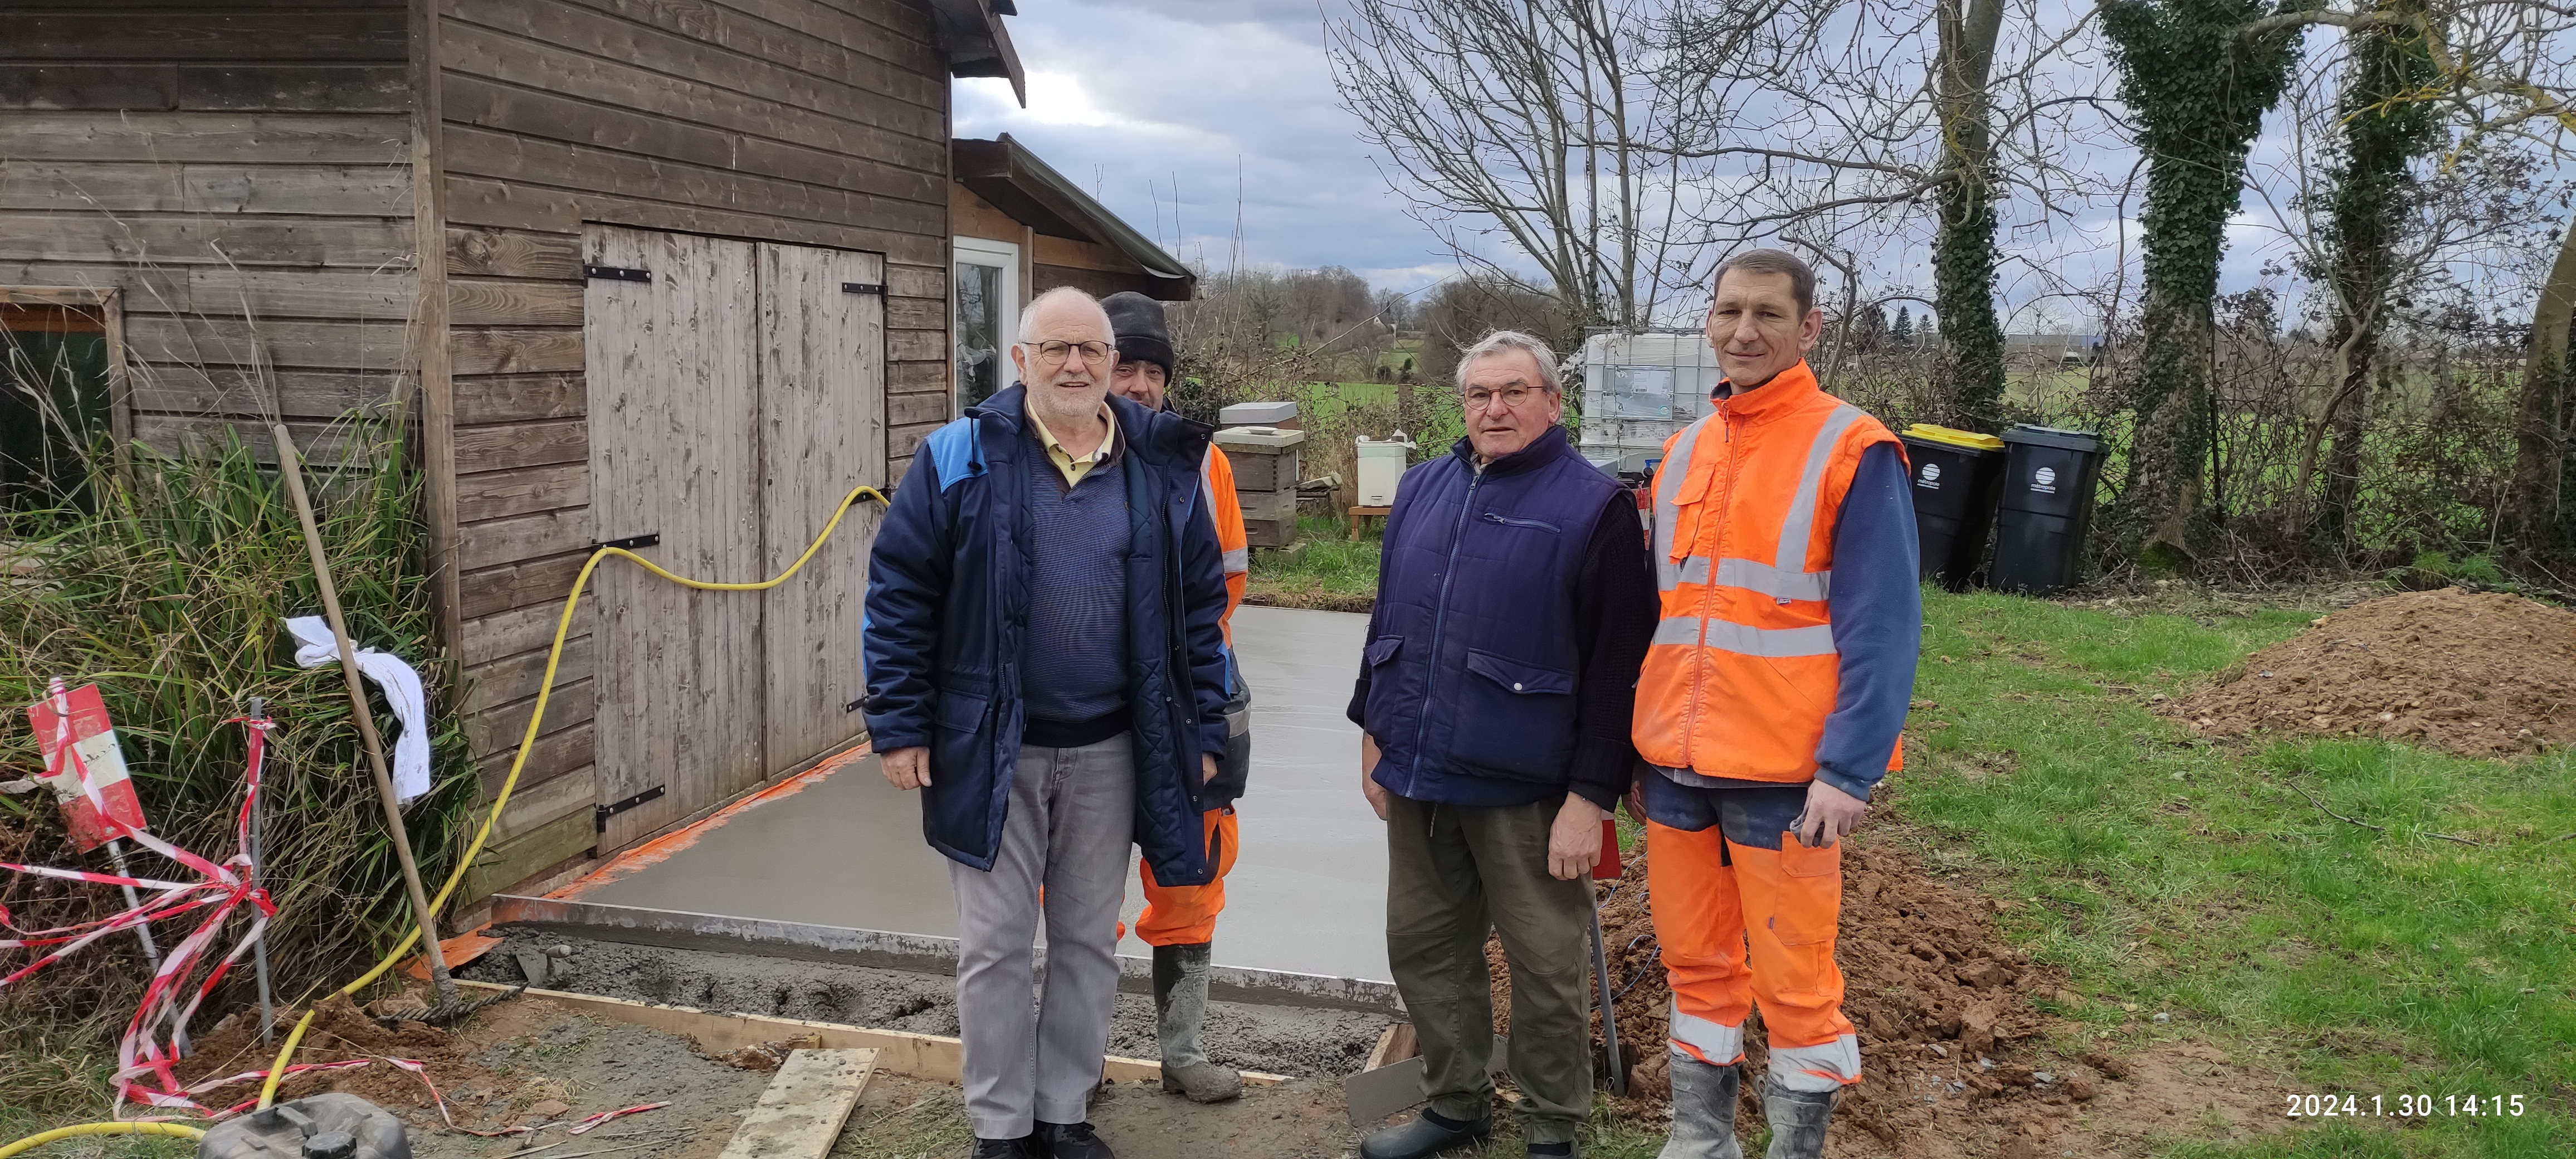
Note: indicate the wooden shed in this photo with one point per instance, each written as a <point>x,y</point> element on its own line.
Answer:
<point>688,275</point>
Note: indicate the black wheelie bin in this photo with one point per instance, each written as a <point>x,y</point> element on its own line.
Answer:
<point>2047,508</point>
<point>1955,476</point>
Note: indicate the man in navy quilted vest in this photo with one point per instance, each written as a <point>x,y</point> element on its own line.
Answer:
<point>1514,608</point>
<point>1044,663</point>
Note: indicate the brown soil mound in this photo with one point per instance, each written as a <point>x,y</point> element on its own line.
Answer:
<point>340,1032</point>
<point>1928,980</point>
<point>2480,674</point>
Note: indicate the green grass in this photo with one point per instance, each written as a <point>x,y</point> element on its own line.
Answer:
<point>2198,879</point>
<point>1325,568</point>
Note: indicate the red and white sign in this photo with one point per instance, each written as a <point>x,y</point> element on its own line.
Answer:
<point>85,767</point>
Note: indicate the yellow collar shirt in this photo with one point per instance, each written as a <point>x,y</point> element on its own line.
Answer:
<point>1075,468</point>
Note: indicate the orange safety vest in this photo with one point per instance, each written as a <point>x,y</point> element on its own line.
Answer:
<point>1742,671</point>
<point>1216,485</point>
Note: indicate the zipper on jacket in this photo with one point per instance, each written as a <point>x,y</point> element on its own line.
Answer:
<point>1708,591</point>
<point>1439,622</point>
<point>1510,521</point>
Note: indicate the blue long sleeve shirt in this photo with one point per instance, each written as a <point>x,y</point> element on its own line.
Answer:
<point>1876,605</point>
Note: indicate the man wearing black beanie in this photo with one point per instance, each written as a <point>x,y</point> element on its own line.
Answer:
<point>1180,922</point>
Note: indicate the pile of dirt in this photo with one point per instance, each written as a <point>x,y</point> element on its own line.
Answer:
<point>2480,674</point>
<point>1941,1002</point>
<point>340,1032</point>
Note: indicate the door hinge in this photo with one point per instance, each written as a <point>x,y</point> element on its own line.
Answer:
<point>599,817</point>
<point>630,543</point>
<point>876,288</point>
<point>617,273</point>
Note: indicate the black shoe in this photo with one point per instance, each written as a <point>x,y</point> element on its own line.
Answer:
<point>1024,1147</point>
<point>1070,1141</point>
<point>1428,1134</point>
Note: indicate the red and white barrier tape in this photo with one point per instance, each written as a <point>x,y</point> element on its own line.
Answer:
<point>222,888</point>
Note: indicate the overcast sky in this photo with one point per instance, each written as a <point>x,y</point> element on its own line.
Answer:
<point>1166,108</point>
<point>1144,97</point>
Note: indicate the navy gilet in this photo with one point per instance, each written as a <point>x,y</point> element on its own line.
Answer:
<point>1473,658</point>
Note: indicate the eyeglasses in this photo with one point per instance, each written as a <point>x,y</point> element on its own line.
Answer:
<point>1513,396</point>
<point>1054,353</point>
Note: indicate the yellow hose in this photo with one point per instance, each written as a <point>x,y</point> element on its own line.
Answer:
<point>545,689</point>
<point>41,1138</point>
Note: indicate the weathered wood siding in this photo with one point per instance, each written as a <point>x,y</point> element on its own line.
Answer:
<point>240,171</point>
<point>811,122</point>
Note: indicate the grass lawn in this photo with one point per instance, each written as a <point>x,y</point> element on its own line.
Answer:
<point>1325,568</point>
<point>2180,875</point>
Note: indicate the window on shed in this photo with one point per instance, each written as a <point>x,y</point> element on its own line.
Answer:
<point>54,404</point>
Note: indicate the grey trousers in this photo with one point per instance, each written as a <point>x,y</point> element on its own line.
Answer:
<point>1072,817</point>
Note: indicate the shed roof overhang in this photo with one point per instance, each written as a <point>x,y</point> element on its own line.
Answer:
<point>1006,174</point>
<point>971,33</point>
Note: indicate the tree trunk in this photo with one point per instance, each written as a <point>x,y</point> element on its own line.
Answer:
<point>2533,509</point>
<point>2343,471</point>
<point>1969,376</point>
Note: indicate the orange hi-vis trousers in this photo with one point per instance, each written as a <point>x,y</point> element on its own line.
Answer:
<point>1185,915</point>
<point>1742,923</point>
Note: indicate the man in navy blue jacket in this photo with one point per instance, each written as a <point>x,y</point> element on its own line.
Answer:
<point>1513,608</point>
<point>1044,663</point>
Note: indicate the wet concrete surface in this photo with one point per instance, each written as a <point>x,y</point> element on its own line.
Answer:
<point>1276,1039</point>
<point>1308,891</point>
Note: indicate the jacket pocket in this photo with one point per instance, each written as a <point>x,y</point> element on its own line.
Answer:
<point>1386,699</point>
<point>1514,719</point>
<point>1501,520</point>
<point>962,712</point>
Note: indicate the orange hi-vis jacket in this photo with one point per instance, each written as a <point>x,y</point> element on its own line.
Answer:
<point>1216,480</point>
<point>1742,671</point>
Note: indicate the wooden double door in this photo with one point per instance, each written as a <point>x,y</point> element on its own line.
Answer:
<point>737,394</point>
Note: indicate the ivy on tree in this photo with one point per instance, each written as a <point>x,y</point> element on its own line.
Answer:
<point>2199,85</point>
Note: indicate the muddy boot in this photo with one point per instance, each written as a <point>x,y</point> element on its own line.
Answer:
<point>1797,1119</point>
<point>1703,1110</point>
<point>1180,1004</point>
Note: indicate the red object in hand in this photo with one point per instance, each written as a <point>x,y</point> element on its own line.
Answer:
<point>1608,868</point>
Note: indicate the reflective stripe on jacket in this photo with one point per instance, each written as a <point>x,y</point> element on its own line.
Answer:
<point>1743,670</point>
<point>1216,485</point>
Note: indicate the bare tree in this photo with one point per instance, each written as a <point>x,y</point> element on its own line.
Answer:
<point>1844,122</point>
<point>2501,68</point>
<point>1533,121</point>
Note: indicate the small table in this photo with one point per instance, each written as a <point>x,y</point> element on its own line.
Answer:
<point>1360,513</point>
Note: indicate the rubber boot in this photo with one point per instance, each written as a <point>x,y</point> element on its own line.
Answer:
<point>1704,1110</point>
<point>1797,1119</point>
<point>1180,1004</point>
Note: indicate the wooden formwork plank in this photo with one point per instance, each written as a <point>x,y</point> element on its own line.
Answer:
<point>805,1106</point>
<point>924,1056</point>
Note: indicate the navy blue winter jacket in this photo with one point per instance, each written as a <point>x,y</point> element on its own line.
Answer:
<point>948,610</point>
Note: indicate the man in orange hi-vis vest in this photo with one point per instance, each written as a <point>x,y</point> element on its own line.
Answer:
<point>1180,922</point>
<point>1768,707</point>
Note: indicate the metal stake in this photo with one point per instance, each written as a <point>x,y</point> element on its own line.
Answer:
<point>1607,1005</point>
<point>143,930</point>
<point>259,868</point>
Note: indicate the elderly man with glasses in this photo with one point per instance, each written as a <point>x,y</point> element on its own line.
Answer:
<point>1044,663</point>
<point>1514,607</point>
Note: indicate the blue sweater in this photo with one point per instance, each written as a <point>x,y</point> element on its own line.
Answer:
<point>1074,666</point>
<point>1877,607</point>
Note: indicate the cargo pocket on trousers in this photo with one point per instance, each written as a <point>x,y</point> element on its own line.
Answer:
<point>1812,894</point>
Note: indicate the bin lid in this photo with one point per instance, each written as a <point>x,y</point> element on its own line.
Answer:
<point>2064,440</point>
<point>1954,436</point>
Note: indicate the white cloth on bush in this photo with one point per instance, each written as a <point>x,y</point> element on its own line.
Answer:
<point>401,686</point>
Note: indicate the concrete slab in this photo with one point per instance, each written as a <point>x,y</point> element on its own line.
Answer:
<point>1307,895</point>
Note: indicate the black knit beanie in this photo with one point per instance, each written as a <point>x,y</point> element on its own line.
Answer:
<point>1143,336</point>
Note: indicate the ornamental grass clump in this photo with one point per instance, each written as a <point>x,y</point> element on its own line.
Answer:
<point>168,584</point>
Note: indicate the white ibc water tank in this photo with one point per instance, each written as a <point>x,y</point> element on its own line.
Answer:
<point>1381,465</point>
